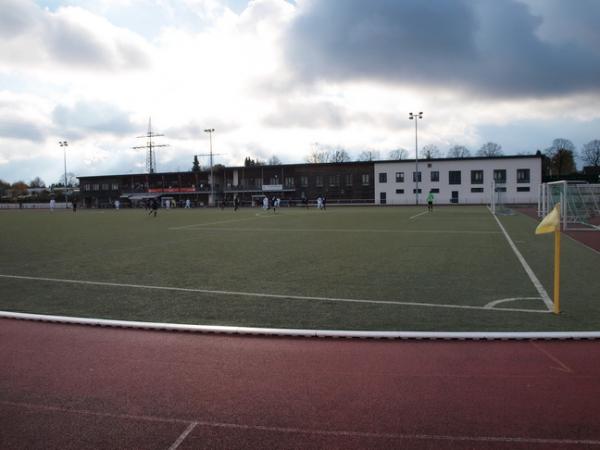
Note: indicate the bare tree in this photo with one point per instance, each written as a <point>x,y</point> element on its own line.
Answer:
<point>369,155</point>
<point>37,182</point>
<point>562,156</point>
<point>274,161</point>
<point>458,151</point>
<point>591,153</point>
<point>398,154</point>
<point>490,149</point>
<point>339,155</point>
<point>430,151</point>
<point>317,157</point>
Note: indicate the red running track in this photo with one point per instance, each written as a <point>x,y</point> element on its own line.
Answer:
<point>76,387</point>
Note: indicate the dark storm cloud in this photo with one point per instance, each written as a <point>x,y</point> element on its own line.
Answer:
<point>88,117</point>
<point>489,46</point>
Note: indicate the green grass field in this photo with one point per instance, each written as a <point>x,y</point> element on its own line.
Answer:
<point>394,268</point>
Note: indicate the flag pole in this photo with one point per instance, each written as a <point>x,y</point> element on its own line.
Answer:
<point>557,271</point>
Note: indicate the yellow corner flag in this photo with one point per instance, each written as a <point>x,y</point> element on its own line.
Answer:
<point>551,222</point>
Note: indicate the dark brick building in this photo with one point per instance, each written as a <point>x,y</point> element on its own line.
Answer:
<point>351,182</point>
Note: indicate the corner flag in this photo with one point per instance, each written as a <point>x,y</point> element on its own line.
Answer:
<point>551,222</point>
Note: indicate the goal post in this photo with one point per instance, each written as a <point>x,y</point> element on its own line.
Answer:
<point>580,204</point>
<point>498,200</point>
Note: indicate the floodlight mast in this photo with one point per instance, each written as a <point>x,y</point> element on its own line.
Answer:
<point>64,145</point>
<point>416,118</point>
<point>210,131</point>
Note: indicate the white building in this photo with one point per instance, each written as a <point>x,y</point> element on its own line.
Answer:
<point>459,180</point>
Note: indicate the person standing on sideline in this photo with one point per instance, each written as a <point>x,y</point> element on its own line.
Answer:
<point>187,203</point>
<point>324,202</point>
<point>430,202</point>
<point>236,203</point>
<point>52,205</point>
<point>265,203</point>
<point>153,207</point>
<point>117,204</point>
<point>74,204</point>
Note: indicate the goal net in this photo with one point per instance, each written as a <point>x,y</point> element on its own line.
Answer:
<point>499,201</point>
<point>580,203</point>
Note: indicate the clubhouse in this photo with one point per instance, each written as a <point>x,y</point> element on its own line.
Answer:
<point>452,180</point>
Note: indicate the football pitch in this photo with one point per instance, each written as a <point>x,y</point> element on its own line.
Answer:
<point>346,268</point>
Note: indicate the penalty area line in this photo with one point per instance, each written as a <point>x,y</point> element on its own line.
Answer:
<point>265,295</point>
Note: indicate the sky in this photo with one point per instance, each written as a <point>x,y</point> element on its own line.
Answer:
<point>286,77</point>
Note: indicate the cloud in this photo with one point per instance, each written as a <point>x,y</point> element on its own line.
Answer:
<point>489,47</point>
<point>70,38</point>
<point>17,128</point>
<point>306,115</point>
<point>92,117</point>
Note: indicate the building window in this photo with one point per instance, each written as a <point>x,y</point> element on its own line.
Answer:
<point>476,177</point>
<point>366,179</point>
<point>348,179</point>
<point>522,175</point>
<point>399,177</point>
<point>434,191</point>
<point>274,180</point>
<point>417,177</point>
<point>435,176</point>
<point>289,182</point>
<point>417,191</point>
<point>523,189</point>
<point>500,189</point>
<point>454,177</point>
<point>86,187</point>
<point>105,186</point>
<point>319,180</point>
<point>304,181</point>
<point>96,187</point>
<point>334,180</point>
<point>500,176</point>
<point>115,186</point>
<point>476,189</point>
<point>399,191</point>
<point>383,177</point>
<point>382,198</point>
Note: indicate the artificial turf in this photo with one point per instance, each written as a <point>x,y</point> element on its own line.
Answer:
<point>429,264</point>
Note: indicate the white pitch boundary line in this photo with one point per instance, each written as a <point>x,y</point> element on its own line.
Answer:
<point>183,435</point>
<point>538,285</point>
<point>338,230</point>
<point>417,215</point>
<point>264,295</point>
<point>316,431</point>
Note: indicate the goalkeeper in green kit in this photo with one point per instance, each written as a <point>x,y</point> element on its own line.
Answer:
<point>430,202</point>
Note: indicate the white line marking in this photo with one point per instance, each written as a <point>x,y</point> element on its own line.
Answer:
<point>318,432</point>
<point>216,223</point>
<point>183,435</point>
<point>337,230</point>
<point>492,305</point>
<point>417,215</point>
<point>532,277</point>
<point>263,295</point>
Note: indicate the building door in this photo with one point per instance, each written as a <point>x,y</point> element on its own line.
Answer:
<point>454,198</point>
<point>382,198</point>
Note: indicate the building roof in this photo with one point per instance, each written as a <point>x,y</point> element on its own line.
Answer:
<point>348,163</point>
